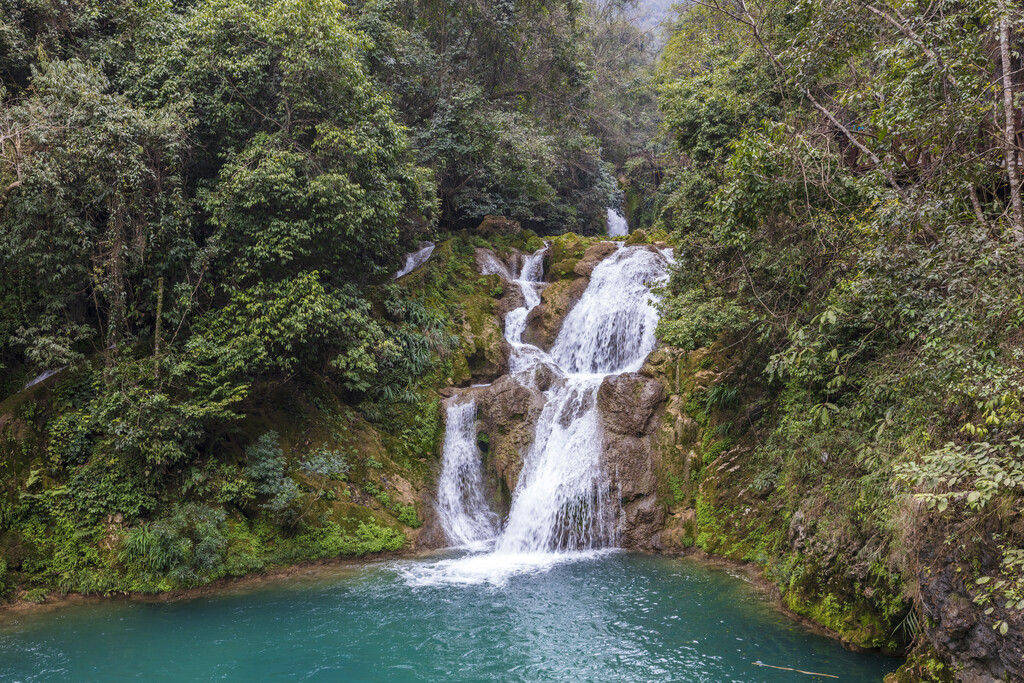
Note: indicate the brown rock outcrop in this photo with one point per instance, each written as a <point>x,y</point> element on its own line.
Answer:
<point>628,401</point>
<point>628,406</point>
<point>507,414</point>
<point>488,352</point>
<point>544,321</point>
<point>594,254</point>
<point>498,225</point>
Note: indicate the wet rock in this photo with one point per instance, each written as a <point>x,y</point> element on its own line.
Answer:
<point>489,263</point>
<point>593,256</point>
<point>543,376</point>
<point>628,401</point>
<point>628,406</point>
<point>507,414</point>
<point>511,299</point>
<point>488,352</point>
<point>544,321</point>
<point>642,519</point>
<point>631,467</point>
<point>679,526</point>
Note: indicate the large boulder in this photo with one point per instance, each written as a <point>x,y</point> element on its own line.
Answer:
<point>594,254</point>
<point>628,407</point>
<point>556,300</point>
<point>498,225</point>
<point>507,414</point>
<point>487,351</point>
<point>627,403</point>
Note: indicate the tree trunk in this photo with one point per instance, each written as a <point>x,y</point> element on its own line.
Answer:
<point>1010,133</point>
<point>156,332</point>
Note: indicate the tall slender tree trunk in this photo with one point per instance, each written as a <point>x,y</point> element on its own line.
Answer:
<point>156,333</point>
<point>1010,131</point>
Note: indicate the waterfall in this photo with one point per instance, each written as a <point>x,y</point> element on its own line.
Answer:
<point>461,507</point>
<point>561,501</point>
<point>415,259</point>
<point>611,329</point>
<point>525,357</point>
<point>562,504</point>
<point>617,226</point>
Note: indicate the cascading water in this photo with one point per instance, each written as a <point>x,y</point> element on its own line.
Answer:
<point>617,225</point>
<point>461,507</point>
<point>562,504</point>
<point>415,259</point>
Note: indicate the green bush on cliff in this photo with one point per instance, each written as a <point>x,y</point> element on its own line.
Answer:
<point>696,319</point>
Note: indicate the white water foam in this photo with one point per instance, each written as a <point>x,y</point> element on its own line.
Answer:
<point>617,225</point>
<point>464,514</point>
<point>562,508</point>
<point>416,259</point>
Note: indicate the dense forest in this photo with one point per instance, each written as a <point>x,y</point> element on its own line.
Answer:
<point>202,208</point>
<point>203,205</point>
<point>845,191</point>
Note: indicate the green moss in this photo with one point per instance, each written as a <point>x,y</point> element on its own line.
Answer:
<point>922,667</point>
<point>715,449</point>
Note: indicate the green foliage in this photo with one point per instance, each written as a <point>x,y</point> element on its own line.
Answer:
<point>846,224</point>
<point>95,197</point>
<point>326,463</point>
<point>6,585</point>
<point>678,488</point>
<point>188,546</point>
<point>265,464</point>
<point>695,319</point>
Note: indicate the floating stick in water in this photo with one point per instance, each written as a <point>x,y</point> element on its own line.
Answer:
<point>786,668</point>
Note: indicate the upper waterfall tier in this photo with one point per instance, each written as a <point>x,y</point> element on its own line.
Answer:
<point>611,329</point>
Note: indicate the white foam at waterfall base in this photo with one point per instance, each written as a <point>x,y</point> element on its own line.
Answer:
<point>562,508</point>
<point>493,568</point>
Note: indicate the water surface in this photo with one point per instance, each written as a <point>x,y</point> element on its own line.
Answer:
<point>616,617</point>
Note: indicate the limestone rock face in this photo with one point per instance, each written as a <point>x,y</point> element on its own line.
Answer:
<point>507,414</point>
<point>627,403</point>
<point>594,255</point>
<point>544,321</point>
<point>628,406</point>
<point>959,630</point>
<point>642,519</point>
<point>511,299</point>
<point>489,352</point>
